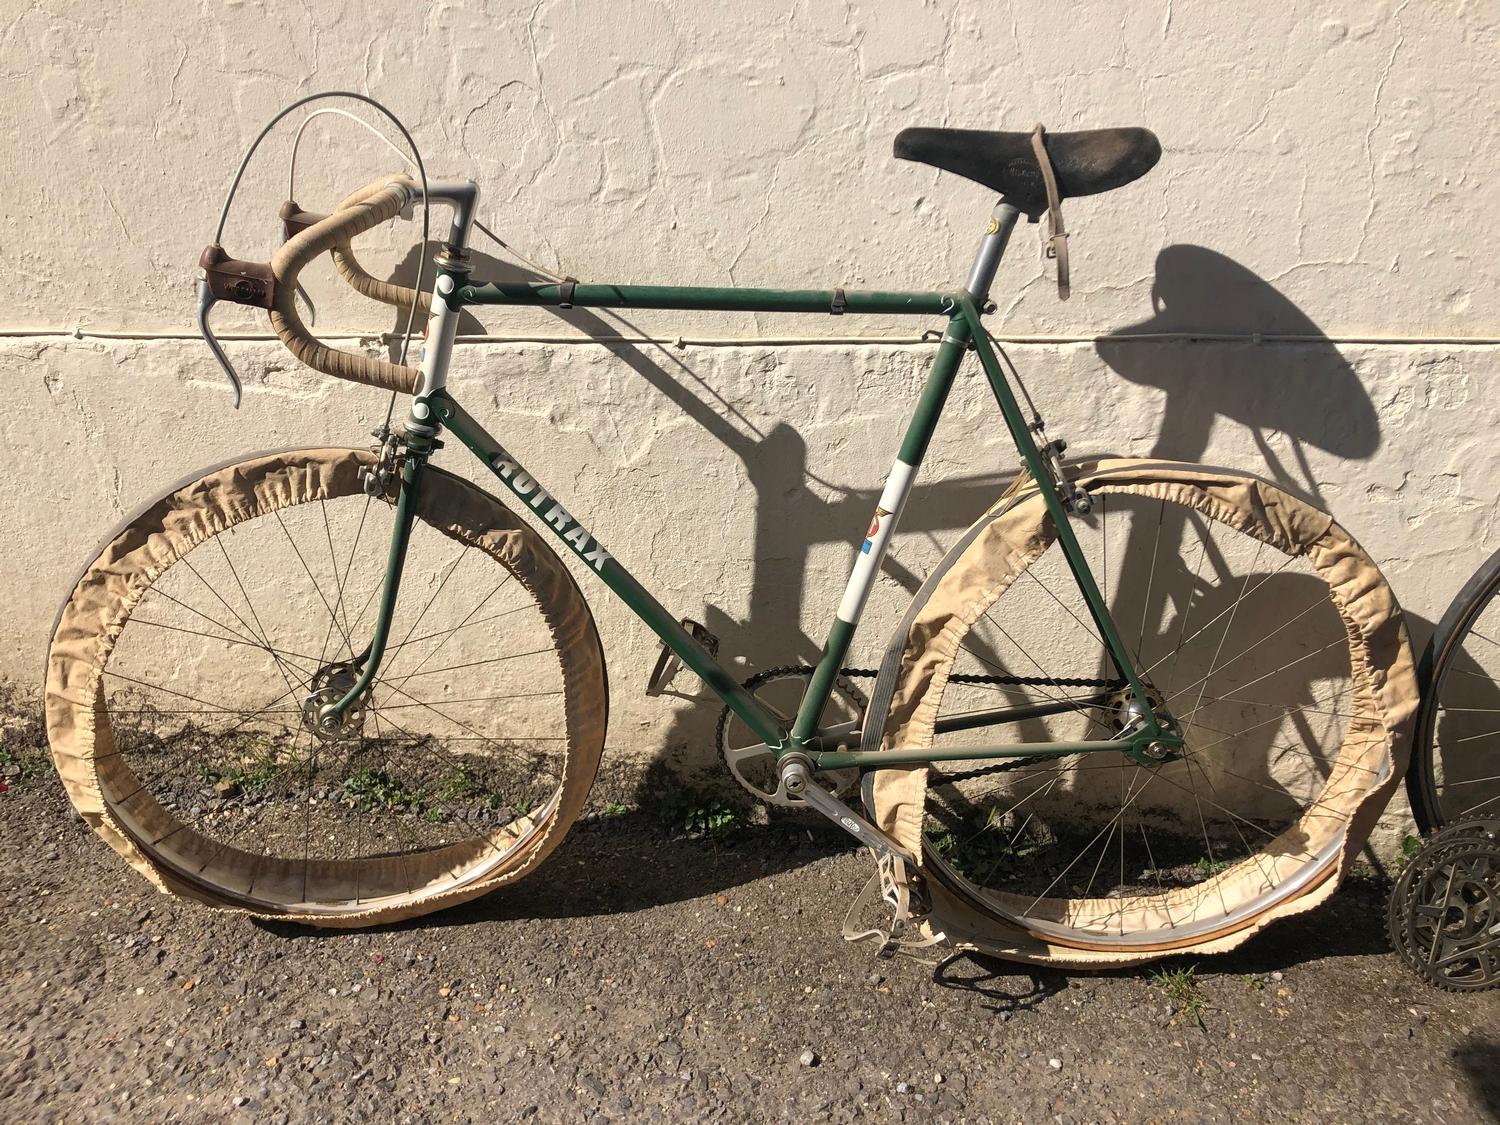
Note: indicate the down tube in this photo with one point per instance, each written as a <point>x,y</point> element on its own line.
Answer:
<point>581,543</point>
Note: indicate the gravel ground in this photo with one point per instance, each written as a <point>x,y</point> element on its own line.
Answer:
<point>646,977</point>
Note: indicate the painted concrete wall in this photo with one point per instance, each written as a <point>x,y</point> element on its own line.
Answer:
<point>1324,209</point>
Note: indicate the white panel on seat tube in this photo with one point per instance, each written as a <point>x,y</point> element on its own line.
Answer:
<point>867,565</point>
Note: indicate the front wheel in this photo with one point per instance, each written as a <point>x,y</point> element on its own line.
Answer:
<point>189,663</point>
<point>1259,629</point>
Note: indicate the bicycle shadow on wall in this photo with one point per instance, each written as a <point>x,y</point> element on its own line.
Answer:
<point>1278,375</point>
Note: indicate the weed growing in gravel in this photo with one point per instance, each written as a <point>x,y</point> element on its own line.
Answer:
<point>22,767</point>
<point>699,812</point>
<point>24,757</point>
<point>614,809</point>
<point>979,844</point>
<point>1208,868</point>
<point>251,776</point>
<point>1410,846</point>
<point>462,783</point>
<point>377,789</point>
<point>1181,987</point>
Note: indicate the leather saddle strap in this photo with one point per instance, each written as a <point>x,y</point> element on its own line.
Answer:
<point>1057,236</point>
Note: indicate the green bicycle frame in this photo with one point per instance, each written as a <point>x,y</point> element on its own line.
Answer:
<point>433,409</point>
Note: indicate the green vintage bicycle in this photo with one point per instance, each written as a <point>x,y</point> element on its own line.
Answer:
<point>1139,707</point>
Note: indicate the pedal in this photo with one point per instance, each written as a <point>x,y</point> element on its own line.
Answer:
<point>668,663</point>
<point>899,889</point>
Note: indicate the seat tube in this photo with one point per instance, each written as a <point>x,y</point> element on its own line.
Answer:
<point>903,475</point>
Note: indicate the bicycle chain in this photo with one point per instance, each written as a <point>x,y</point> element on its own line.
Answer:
<point>1012,681</point>
<point>937,777</point>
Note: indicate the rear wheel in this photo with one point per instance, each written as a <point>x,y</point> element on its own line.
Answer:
<point>1228,614</point>
<point>189,664</point>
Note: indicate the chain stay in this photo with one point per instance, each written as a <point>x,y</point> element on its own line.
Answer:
<point>938,777</point>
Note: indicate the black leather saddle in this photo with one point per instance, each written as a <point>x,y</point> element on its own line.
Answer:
<point>1085,163</point>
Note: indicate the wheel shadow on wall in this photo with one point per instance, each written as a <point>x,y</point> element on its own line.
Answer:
<point>1227,348</point>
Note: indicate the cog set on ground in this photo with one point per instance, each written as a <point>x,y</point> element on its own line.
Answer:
<point>1444,915</point>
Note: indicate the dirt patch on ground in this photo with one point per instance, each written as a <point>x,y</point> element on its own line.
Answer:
<point>646,976</point>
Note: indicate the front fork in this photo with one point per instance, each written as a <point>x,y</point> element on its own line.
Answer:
<point>421,440</point>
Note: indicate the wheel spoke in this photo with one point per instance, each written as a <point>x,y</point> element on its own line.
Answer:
<point>317,588</point>
<point>280,653</point>
<point>261,629</point>
<point>1467,781</point>
<point>1181,643</point>
<point>448,634</point>
<point>422,614</point>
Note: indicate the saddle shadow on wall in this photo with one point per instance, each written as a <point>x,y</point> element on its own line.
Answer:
<point>1288,379</point>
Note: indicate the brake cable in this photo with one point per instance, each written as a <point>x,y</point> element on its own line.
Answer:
<point>206,299</point>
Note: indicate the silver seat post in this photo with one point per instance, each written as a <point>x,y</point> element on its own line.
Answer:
<point>991,250</point>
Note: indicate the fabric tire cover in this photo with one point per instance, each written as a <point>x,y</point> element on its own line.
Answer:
<point>109,589</point>
<point>1007,539</point>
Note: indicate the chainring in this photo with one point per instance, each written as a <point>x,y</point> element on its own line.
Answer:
<point>1444,915</point>
<point>754,766</point>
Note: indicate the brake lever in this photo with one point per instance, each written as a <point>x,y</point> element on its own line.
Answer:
<point>222,278</point>
<point>312,309</point>
<point>206,301</point>
<point>294,220</point>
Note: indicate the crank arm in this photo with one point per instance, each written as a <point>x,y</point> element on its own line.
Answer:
<point>799,783</point>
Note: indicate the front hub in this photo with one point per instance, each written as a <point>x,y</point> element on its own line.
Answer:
<point>331,683</point>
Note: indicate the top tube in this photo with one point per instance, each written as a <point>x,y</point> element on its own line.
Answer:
<point>712,299</point>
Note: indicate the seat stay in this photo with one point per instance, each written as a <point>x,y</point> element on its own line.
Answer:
<point>1093,598</point>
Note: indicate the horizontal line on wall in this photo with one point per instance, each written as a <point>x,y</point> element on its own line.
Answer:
<point>931,337</point>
